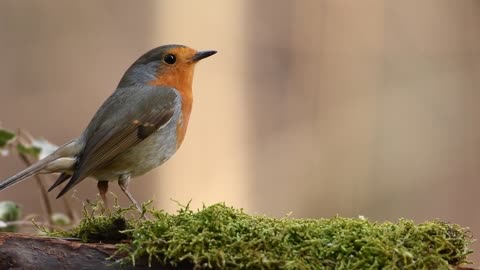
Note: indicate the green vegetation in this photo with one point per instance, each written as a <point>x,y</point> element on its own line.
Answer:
<point>5,137</point>
<point>9,212</point>
<point>24,144</point>
<point>221,237</point>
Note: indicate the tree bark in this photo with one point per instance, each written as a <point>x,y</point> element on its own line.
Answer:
<point>22,251</point>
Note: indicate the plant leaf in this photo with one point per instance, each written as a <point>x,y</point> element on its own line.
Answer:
<point>46,147</point>
<point>9,211</point>
<point>60,219</point>
<point>4,152</point>
<point>29,150</point>
<point>5,137</point>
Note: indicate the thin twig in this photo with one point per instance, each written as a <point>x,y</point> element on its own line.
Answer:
<point>66,202</point>
<point>43,191</point>
<point>27,223</point>
<point>23,135</point>
<point>32,223</point>
<point>68,210</point>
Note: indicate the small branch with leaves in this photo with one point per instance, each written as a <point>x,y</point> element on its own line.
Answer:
<point>29,150</point>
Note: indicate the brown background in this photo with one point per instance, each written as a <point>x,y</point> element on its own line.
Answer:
<point>315,107</point>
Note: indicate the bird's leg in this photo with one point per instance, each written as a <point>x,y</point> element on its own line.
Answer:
<point>123,183</point>
<point>102,189</point>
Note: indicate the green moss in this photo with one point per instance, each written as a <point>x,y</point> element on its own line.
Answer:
<point>99,225</point>
<point>222,237</point>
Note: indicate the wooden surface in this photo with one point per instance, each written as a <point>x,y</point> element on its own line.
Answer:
<point>21,251</point>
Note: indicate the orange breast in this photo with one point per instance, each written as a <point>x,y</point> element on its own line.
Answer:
<point>179,78</point>
<point>182,125</point>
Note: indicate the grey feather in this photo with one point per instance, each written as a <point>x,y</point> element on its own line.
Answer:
<point>115,127</point>
<point>70,149</point>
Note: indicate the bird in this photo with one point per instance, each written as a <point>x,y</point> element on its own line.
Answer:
<point>138,127</point>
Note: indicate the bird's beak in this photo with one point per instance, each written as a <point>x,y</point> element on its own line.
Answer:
<point>200,55</point>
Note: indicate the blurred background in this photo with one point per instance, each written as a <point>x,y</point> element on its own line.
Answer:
<point>314,107</point>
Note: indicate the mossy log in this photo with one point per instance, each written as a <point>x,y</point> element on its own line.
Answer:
<point>220,237</point>
<point>22,251</point>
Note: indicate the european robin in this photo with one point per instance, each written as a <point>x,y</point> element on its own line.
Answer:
<point>139,127</point>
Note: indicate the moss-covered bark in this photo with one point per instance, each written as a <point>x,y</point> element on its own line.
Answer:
<point>221,237</point>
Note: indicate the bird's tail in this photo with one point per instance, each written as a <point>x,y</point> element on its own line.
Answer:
<point>59,161</point>
<point>31,170</point>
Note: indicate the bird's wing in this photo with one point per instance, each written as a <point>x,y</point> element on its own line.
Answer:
<point>126,118</point>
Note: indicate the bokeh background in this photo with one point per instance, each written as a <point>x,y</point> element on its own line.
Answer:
<point>312,107</point>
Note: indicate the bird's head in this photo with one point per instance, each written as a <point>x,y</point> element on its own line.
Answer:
<point>169,65</point>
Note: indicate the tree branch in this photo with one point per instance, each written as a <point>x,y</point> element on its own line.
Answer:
<point>21,251</point>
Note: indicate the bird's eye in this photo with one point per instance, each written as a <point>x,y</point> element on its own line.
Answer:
<point>170,59</point>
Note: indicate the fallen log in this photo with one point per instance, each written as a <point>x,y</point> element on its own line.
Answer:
<point>22,251</point>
